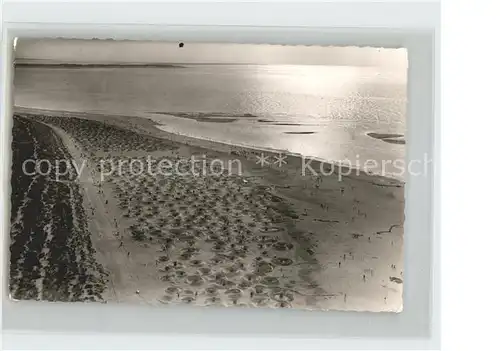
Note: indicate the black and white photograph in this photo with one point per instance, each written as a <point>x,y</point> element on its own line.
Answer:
<point>209,174</point>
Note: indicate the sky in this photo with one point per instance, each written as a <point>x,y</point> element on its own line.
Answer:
<point>104,51</point>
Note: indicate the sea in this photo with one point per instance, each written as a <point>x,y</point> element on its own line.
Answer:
<point>323,112</point>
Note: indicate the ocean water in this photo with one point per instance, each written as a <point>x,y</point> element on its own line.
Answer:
<point>319,111</point>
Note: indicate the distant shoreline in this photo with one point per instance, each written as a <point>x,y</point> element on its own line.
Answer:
<point>96,65</point>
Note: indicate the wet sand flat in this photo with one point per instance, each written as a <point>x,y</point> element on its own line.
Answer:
<point>269,237</point>
<point>388,138</point>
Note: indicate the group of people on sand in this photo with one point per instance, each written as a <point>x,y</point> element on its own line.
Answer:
<point>100,191</point>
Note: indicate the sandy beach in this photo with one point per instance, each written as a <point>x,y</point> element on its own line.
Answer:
<point>268,236</point>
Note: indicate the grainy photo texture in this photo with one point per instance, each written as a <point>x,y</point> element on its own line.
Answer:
<point>230,175</point>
